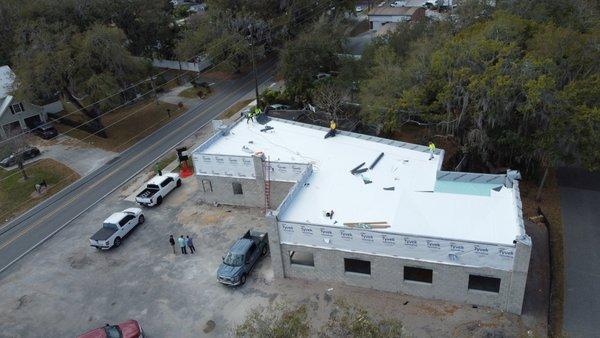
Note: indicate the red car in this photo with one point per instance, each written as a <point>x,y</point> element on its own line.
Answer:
<point>128,329</point>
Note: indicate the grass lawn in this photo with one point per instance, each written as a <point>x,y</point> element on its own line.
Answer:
<point>125,126</point>
<point>18,195</point>
<point>234,109</point>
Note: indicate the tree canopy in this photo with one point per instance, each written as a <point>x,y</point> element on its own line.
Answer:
<point>513,90</point>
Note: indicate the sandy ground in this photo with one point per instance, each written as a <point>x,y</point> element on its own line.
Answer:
<point>66,287</point>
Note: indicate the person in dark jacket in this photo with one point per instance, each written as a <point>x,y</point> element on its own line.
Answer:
<point>190,244</point>
<point>172,242</point>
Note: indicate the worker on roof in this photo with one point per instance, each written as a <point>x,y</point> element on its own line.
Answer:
<point>253,114</point>
<point>332,129</point>
<point>431,150</point>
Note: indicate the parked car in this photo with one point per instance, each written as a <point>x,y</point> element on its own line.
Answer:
<point>45,131</point>
<point>242,257</point>
<point>398,4</point>
<point>197,83</point>
<point>27,154</point>
<point>359,8</point>
<point>277,106</point>
<point>322,76</point>
<point>116,227</point>
<point>157,189</point>
<point>128,329</point>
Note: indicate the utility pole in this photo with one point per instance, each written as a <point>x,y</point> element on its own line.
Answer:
<point>253,64</point>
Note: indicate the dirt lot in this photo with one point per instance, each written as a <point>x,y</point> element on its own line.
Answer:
<point>66,287</point>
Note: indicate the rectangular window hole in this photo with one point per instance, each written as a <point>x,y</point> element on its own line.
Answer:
<point>418,274</point>
<point>482,283</point>
<point>357,266</point>
<point>237,188</point>
<point>302,258</point>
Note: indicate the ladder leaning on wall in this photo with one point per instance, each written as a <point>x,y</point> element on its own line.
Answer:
<point>267,175</point>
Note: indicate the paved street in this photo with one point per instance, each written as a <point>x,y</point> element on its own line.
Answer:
<point>31,228</point>
<point>580,206</point>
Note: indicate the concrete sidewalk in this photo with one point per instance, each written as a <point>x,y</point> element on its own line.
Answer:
<point>579,202</point>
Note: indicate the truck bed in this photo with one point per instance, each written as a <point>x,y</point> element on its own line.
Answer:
<point>102,234</point>
<point>147,193</point>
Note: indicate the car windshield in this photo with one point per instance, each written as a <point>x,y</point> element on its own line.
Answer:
<point>153,187</point>
<point>112,331</point>
<point>110,226</point>
<point>233,259</point>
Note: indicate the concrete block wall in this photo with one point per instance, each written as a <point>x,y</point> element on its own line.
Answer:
<point>450,282</point>
<point>253,192</point>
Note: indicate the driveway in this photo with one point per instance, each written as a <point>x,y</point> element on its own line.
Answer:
<point>79,156</point>
<point>580,206</point>
<point>172,96</point>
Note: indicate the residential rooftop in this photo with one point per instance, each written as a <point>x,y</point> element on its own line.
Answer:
<point>405,190</point>
<point>393,11</point>
<point>7,78</point>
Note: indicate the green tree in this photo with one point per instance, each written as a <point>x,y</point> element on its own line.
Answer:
<point>312,52</point>
<point>84,67</point>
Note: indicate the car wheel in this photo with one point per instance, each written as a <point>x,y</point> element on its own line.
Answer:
<point>117,242</point>
<point>159,200</point>
<point>264,251</point>
<point>141,220</point>
<point>243,280</point>
<point>178,183</point>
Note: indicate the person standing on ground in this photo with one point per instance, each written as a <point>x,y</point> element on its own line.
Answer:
<point>182,244</point>
<point>172,242</point>
<point>190,244</point>
<point>431,150</point>
<point>157,169</point>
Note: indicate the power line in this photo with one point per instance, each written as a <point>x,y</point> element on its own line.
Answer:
<point>150,79</point>
<point>214,66</point>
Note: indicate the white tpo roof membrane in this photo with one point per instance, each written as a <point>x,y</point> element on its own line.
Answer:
<point>412,208</point>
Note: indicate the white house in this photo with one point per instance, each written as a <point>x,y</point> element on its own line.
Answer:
<point>15,115</point>
<point>379,16</point>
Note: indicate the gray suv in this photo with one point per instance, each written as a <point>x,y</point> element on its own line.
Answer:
<point>242,257</point>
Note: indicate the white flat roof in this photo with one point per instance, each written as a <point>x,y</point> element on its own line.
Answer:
<point>416,206</point>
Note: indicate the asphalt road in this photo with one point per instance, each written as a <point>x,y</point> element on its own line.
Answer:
<point>579,203</point>
<point>26,232</point>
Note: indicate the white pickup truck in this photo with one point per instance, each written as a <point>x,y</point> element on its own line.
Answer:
<point>157,188</point>
<point>116,227</point>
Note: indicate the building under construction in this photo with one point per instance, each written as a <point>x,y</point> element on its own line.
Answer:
<point>372,212</point>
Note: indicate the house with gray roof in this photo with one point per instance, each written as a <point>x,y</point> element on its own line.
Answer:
<point>17,115</point>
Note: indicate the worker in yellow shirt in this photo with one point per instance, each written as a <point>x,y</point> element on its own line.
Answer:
<point>332,129</point>
<point>431,150</point>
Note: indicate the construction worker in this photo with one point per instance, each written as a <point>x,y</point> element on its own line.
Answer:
<point>431,150</point>
<point>332,129</point>
<point>253,114</point>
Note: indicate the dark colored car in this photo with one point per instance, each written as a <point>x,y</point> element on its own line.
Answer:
<point>27,154</point>
<point>242,257</point>
<point>45,131</point>
<point>128,329</point>
<point>200,84</point>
